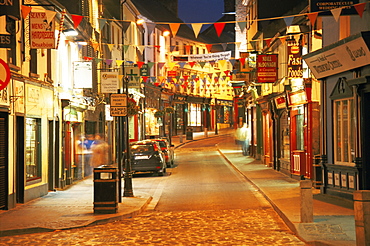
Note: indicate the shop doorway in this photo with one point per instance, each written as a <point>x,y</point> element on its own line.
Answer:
<point>20,175</point>
<point>4,161</point>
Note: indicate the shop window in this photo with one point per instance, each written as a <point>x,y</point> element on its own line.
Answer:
<point>344,126</point>
<point>285,136</point>
<point>194,115</point>
<point>299,120</point>
<point>33,149</point>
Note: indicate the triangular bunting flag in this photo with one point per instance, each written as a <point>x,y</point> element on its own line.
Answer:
<point>192,64</point>
<point>97,60</point>
<point>283,39</point>
<point>76,20</point>
<point>145,78</point>
<point>212,63</point>
<point>160,65</point>
<point>224,46</point>
<point>119,63</point>
<point>209,47</point>
<point>174,28</point>
<point>289,20</point>
<point>232,61</point>
<point>221,62</point>
<point>108,61</point>
<point>242,60</point>
<point>125,48</point>
<point>102,23</point>
<point>25,11</point>
<point>140,64</point>
<point>110,46</point>
<point>242,25</point>
<point>95,45</point>
<point>219,26</point>
<point>172,48</point>
<point>268,41</point>
<point>312,17</point>
<point>336,13</point>
<point>150,65</point>
<point>210,75</point>
<point>196,28</point>
<point>182,64</point>
<point>186,77</point>
<point>360,8</point>
<point>50,15</point>
<point>150,26</point>
<point>171,65</point>
<point>141,48</point>
<point>125,25</point>
<point>202,64</point>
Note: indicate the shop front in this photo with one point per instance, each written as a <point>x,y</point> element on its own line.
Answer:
<point>343,69</point>
<point>179,104</point>
<point>153,116</point>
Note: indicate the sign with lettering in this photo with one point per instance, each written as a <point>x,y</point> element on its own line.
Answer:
<point>294,61</point>
<point>4,74</point>
<point>42,35</point>
<point>109,82</point>
<point>10,7</point>
<point>7,41</point>
<point>267,68</point>
<point>118,105</point>
<point>341,56</point>
<point>324,6</point>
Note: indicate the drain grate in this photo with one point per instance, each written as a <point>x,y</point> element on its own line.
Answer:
<point>109,240</point>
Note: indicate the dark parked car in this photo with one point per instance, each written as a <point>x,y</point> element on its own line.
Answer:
<point>167,149</point>
<point>147,156</point>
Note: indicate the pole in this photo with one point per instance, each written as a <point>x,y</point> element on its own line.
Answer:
<point>127,192</point>
<point>216,129</point>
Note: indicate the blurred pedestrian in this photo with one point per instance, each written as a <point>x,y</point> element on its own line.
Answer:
<point>242,138</point>
<point>100,152</point>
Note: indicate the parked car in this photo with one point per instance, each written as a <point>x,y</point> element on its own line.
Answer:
<point>168,151</point>
<point>147,156</point>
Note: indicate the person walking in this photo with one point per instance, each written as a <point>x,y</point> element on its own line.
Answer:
<point>100,151</point>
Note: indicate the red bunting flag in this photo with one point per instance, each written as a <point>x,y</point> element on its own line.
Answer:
<point>145,78</point>
<point>139,64</point>
<point>268,41</point>
<point>209,47</point>
<point>242,60</point>
<point>76,20</point>
<point>192,64</point>
<point>360,8</point>
<point>219,26</point>
<point>185,77</point>
<point>187,48</point>
<point>25,11</point>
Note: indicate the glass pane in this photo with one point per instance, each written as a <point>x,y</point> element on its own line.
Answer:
<point>299,129</point>
<point>337,127</point>
<point>345,124</point>
<point>353,131</point>
<point>32,165</point>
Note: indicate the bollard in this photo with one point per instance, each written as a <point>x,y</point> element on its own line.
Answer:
<point>306,201</point>
<point>362,216</point>
<point>180,138</point>
<point>206,132</point>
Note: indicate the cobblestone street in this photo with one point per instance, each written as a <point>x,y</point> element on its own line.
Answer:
<point>221,227</point>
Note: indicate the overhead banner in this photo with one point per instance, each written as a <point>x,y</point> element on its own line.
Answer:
<point>211,56</point>
<point>267,69</point>
<point>347,54</point>
<point>42,33</point>
<point>82,74</point>
<point>109,82</point>
<point>324,6</point>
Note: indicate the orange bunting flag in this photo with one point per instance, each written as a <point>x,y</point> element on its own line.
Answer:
<point>76,20</point>
<point>312,17</point>
<point>268,41</point>
<point>174,28</point>
<point>209,47</point>
<point>25,11</point>
<point>187,48</point>
<point>219,26</point>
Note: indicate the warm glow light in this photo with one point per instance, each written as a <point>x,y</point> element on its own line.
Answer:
<point>166,33</point>
<point>140,21</point>
<point>82,43</point>
<point>70,33</point>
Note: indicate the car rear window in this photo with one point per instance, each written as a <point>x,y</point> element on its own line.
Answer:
<point>162,144</point>
<point>135,149</point>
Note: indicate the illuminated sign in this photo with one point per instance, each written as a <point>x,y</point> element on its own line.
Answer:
<point>267,71</point>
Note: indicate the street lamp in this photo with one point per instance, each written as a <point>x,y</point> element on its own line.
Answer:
<point>127,177</point>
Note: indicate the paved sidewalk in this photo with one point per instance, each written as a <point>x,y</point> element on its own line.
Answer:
<point>72,208</point>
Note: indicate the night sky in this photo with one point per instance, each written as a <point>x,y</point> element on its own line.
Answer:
<point>200,11</point>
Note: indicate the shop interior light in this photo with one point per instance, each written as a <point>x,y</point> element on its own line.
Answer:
<point>140,21</point>
<point>70,33</point>
<point>166,33</point>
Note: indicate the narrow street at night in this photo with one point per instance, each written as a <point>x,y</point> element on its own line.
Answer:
<point>201,201</point>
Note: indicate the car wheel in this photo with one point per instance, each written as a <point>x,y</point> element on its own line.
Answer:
<point>160,173</point>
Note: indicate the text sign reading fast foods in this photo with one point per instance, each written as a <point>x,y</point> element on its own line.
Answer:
<point>267,68</point>
<point>41,31</point>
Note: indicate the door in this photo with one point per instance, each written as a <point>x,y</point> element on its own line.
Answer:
<point>20,176</point>
<point>3,161</point>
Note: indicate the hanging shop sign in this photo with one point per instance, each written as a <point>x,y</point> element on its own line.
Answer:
<point>267,70</point>
<point>7,41</point>
<point>297,98</point>
<point>109,82</point>
<point>226,55</point>
<point>324,6</point>
<point>4,74</point>
<point>294,61</point>
<point>82,74</point>
<point>171,73</point>
<point>280,102</point>
<point>42,34</point>
<point>347,54</point>
<point>8,7</point>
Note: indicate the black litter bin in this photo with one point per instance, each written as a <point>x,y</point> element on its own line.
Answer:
<point>189,133</point>
<point>105,189</point>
